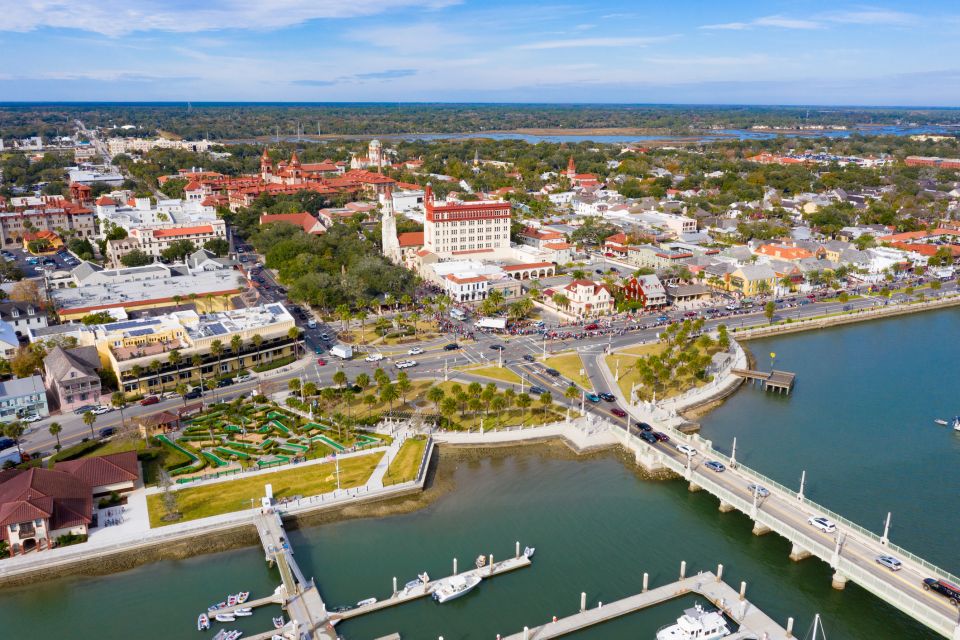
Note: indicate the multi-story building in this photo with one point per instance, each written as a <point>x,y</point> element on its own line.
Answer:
<point>583,299</point>
<point>132,212</point>
<point>70,376</point>
<point>9,341</point>
<point>116,146</point>
<point>646,289</point>
<point>47,213</point>
<point>22,397</point>
<point>465,226</point>
<point>648,255</point>
<point>22,316</point>
<point>155,240</point>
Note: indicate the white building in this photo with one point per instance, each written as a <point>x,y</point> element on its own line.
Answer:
<point>465,226</point>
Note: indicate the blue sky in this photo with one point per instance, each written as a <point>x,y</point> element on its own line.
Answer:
<point>684,51</point>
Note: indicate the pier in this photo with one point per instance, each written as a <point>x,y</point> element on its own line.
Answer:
<point>753,623</point>
<point>779,381</point>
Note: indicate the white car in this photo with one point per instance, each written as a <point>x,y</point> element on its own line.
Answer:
<point>414,351</point>
<point>403,364</point>
<point>687,449</point>
<point>99,410</point>
<point>312,324</point>
<point>374,357</point>
<point>31,418</point>
<point>244,378</point>
<point>825,525</point>
<point>890,563</point>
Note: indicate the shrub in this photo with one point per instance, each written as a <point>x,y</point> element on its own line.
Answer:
<point>110,501</point>
<point>76,451</point>
<point>70,538</point>
<point>267,366</point>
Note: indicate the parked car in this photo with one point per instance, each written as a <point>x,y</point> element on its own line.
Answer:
<point>82,410</point>
<point>374,357</point>
<point>106,432</point>
<point>453,346</point>
<point>762,492</point>
<point>31,418</point>
<point>592,397</point>
<point>415,351</point>
<point>944,588</point>
<point>224,382</point>
<point>617,411</point>
<point>100,409</point>
<point>149,400</point>
<point>825,525</point>
<point>311,323</point>
<point>715,465</point>
<point>537,390</point>
<point>687,449</point>
<point>890,563</point>
<point>246,377</point>
<point>593,326</point>
<point>193,394</point>
<point>609,397</point>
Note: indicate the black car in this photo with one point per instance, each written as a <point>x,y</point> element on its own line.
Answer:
<point>498,347</point>
<point>649,437</point>
<point>224,382</point>
<point>529,358</point>
<point>106,432</point>
<point>193,394</point>
<point>553,372</point>
<point>609,397</point>
<point>6,443</point>
<point>643,426</point>
<point>944,588</point>
<point>537,390</point>
<point>453,346</point>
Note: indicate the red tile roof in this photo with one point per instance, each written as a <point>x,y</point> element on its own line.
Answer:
<point>303,220</point>
<point>103,470</point>
<point>104,201</point>
<point>411,239</point>
<point>39,493</point>
<point>183,231</point>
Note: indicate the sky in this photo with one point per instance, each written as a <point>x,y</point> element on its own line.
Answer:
<point>640,51</point>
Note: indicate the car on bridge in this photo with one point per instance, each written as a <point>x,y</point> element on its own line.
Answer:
<point>648,437</point>
<point>825,525</point>
<point>890,563</point>
<point>762,492</point>
<point>944,588</point>
<point>617,411</point>
<point>609,397</point>
<point>643,426</point>
<point>592,397</point>
<point>683,448</point>
<point>716,466</point>
<point>661,436</point>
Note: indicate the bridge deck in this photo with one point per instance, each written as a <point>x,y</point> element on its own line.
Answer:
<point>402,596</point>
<point>752,621</point>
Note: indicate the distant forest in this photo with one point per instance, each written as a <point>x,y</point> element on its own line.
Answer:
<point>230,121</point>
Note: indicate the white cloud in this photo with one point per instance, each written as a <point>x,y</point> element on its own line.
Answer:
<point>419,37</point>
<point>711,61</point>
<point>120,17</point>
<point>593,42</point>
<point>869,16</point>
<point>781,22</point>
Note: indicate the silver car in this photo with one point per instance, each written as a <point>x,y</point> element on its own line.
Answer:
<point>890,563</point>
<point>762,492</point>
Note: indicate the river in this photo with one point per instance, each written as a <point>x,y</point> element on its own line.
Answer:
<point>860,422</point>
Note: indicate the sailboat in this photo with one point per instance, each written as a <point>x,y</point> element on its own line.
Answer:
<point>956,423</point>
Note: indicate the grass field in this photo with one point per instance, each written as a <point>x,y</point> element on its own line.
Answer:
<point>627,358</point>
<point>569,365</point>
<point>497,373</point>
<point>211,500</point>
<point>405,466</point>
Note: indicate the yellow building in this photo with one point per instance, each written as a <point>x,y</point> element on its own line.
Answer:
<point>753,279</point>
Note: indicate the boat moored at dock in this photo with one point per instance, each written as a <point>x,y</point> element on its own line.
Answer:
<point>696,624</point>
<point>455,586</point>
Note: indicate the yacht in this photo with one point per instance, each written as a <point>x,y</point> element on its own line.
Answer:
<point>696,624</point>
<point>455,586</point>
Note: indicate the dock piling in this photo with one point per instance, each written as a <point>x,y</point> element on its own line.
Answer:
<point>526,633</point>
<point>743,590</point>
<point>583,601</point>
<point>491,564</point>
<point>789,627</point>
<point>646,582</point>
<point>719,573</point>
<point>683,569</point>
<point>454,566</point>
<point>518,550</point>
<point>394,585</point>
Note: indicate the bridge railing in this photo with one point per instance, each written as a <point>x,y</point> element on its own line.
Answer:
<point>706,448</point>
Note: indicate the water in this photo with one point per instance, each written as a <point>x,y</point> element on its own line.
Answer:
<point>860,422</point>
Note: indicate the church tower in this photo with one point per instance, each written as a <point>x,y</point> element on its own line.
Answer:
<point>375,154</point>
<point>388,229</point>
<point>571,169</point>
<point>266,166</point>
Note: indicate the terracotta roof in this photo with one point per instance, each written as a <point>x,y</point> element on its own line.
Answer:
<point>304,220</point>
<point>183,231</point>
<point>102,470</point>
<point>44,493</point>
<point>193,185</point>
<point>557,246</point>
<point>453,278</point>
<point>411,239</point>
<point>104,201</point>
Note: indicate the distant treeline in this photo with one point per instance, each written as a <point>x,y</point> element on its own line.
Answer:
<point>220,121</point>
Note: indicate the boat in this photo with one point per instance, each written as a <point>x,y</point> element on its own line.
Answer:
<point>956,423</point>
<point>219,605</point>
<point>529,551</point>
<point>231,601</point>
<point>340,609</point>
<point>481,561</point>
<point>233,635</point>
<point>203,622</point>
<point>278,622</point>
<point>221,635</point>
<point>366,602</point>
<point>225,617</point>
<point>455,586</point>
<point>817,624</point>
<point>246,611</point>
<point>941,422</point>
<point>422,580</point>
<point>243,596</point>
<point>696,623</point>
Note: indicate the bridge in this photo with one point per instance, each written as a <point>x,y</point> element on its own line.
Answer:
<point>851,551</point>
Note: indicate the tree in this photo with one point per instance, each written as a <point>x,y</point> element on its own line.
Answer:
<point>524,401</point>
<point>119,401</point>
<point>497,405</point>
<point>136,258</point>
<point>55,429</point>
<point>182,389</point>
<point>448,406</point>
<point>572,393</point>
<point>294,334</point>
<point>27,360</point>
<point>389,393</point>
<point>257,341</point>
<point>218,246</point>
<point>362,381</point>
<point>769,310</point>
<point>763,287</point>
<point>309,389</point>
<point>546,399</point>
<point>174,358</point>
<point>100,317</point>
<point>361,315</point>
<point>435,395</point>
<point>89,419</point>
<point>343,312</point>
<point>340,378</point>
<point>27,291</point>
<point>15,430</point>
<point>177,250</point>
<point>404,385</point>
<point>562,301</point>
<point>216,350</point>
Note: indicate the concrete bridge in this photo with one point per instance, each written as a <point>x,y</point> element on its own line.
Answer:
<point>851,551</point>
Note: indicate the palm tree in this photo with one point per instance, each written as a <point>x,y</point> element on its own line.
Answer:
<point>523,402</point>
<point>137,372</point>
<point>15,430</point>
<point>572,393</point>
<point>294,334</point>
<point>343,312</point>
<point>118,400</point>
<point>546,399</point>
<point>562,301</point>
<point>404,385</point>
<point>216,349</point>
<point>389,393</point>
<point>236,344</point>
<point>196,361</point>
<point>448,407</point>
<point>89,419</point>
<point>497,404</point>
<point>155,366</point>
<point>362,381</point>
<point>175,358</point>
<point>182,389</point>
<point>257,341</point>
<point>435,395</point>
<point>414,317</point>
<point>361,315</point>
<point>177,299</point>
<point>55,430</point>
<point>578,274</point>
<point>340,378</point>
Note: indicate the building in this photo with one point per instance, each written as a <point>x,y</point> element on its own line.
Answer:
<point>130,213</point>
<point>90,175</point>
<point>203,343</point>
<point>648,255</point>
<point>673,223</point>
<point>9,340</point>
<point>22,316</point>
<point>465,226</point>
<point>47,213</point>
<point>373,160</point>
<point>70,375</point>
<point>155,240</point>
<point>294,172</point>
<point>647,290</point>
<point>540,237</point>
<point>753,279</point>
<point>23,397</point>
<point>304,220</point>
<point>202,277</point>
<point>116,146</point>
<point>929,161</point>
<point>583,299</point>
<point>38,505</point>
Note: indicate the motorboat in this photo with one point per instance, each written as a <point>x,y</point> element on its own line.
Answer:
<point>956,423</point>
<point>225,617</point>
<point>233,635</point>
<point>366,602</point>
<point>203,622</point>
<point>696,624</point>
<point>221,635</point>
<point>246,611</point>
<point>422,580</point>
<point>278,622</point>
<point>529,551</point>
<point>231,601</point>
<point>243,596</point>
<point>941,422</point>
<point>456,586</point>
<point>214,607</point>
<point>481,561</point>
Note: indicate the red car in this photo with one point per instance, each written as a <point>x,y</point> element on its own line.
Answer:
<point>321,361</point>
<point>617,411</point>
<point>149,400</point>
<point>592,326</point>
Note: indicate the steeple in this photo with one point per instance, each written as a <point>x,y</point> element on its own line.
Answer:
<point>266,165</point>
<point>571,169</point>
<point>294,160</point>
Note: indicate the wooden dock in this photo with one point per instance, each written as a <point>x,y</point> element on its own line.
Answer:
<point>403,595</point>
<point>779,381</point>
<point>753,622</point>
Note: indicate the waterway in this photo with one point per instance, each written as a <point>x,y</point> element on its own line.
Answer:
<point>860,422</point>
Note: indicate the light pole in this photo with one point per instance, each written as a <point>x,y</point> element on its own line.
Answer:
<point>336,460</point>
<point>885,539</point>
<point>803,479</point>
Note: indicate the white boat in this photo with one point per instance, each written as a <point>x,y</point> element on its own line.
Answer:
<point>214,607</point>
<point>956,423</point>
<point>364,603</point>
<point>203,622</point>
<point>225,617</point>
<point>696,624</point>
<point>278,622</point>
<point>246,611</point>
<point>243,596</point>
<point>233,635</point>
<point>455,586</point>
<point>941,422</point>
<point>231,600</point>
<point>529,551</point>
<point>221,635</point>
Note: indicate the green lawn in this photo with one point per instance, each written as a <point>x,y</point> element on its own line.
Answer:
<point>497,373</point>
<point>405,466</point>
<point>234,495</point>
<point>569,365</point>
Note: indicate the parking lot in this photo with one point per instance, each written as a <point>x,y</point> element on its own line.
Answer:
<point>33,266</point>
